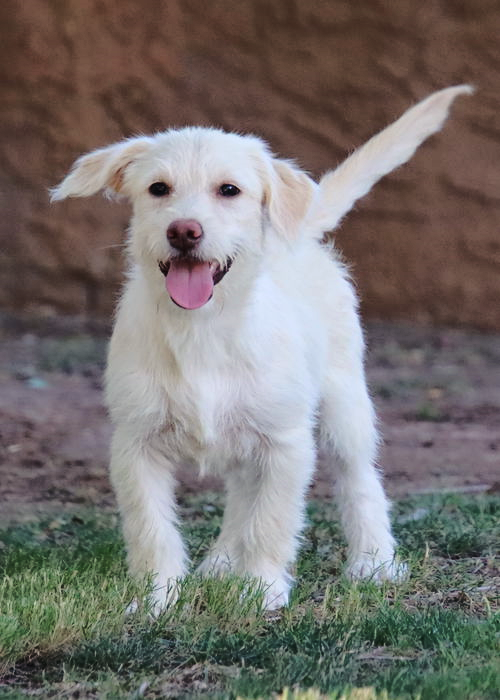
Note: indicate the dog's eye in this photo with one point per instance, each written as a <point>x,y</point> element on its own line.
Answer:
<point>228,190</point>
<point>159,189</point>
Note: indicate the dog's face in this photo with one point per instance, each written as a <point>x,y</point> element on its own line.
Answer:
<point>202,199</point>
<point>197,197</point>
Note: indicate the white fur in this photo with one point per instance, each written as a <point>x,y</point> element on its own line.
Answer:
<point>250,384</point>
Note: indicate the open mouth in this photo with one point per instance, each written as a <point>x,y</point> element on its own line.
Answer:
<point>190,282</point>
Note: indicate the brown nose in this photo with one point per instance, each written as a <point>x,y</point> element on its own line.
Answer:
<point>184,234</point>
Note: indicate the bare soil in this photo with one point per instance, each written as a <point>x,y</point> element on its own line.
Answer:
<point>437,393</point>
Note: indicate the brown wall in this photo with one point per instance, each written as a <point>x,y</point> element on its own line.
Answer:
<point>315,77</point>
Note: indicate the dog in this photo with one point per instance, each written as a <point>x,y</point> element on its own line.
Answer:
<point>237,347</point>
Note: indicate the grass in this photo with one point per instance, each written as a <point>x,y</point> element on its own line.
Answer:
<point>63,632</point>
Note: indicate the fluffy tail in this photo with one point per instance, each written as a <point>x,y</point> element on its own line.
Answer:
<point>340,188</point>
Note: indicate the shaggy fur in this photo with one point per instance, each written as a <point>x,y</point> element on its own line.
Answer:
<point>250,376</point>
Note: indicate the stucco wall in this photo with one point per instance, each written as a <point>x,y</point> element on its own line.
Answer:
<point>315,78</point>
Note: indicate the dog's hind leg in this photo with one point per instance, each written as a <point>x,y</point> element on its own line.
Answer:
<point>144,485</point>
<point>264,514</point>
<point>349,437</point>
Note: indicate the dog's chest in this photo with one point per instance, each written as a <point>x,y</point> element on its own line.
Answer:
<point>211,416</point>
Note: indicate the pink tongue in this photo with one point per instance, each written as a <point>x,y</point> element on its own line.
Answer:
<point>190,285</point>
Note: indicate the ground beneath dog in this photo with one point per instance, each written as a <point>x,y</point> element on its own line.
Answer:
<point>437,392</point>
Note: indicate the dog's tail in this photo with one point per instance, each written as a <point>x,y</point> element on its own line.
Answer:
<point>340,188</point>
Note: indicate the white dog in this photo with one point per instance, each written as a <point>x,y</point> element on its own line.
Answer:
<point>237,346</point>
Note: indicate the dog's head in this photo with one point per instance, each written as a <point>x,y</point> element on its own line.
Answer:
<point>202,198</point>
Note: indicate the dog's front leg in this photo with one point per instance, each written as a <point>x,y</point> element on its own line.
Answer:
<point>264,514</point>
<point>143,480</point>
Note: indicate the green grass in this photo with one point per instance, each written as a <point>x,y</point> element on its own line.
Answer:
<point>63,632</point>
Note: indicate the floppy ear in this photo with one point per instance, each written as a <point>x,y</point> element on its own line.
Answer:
<point>101,169</point>
<point>288,194</point>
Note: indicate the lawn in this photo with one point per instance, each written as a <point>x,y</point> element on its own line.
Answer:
<point>64,589</point>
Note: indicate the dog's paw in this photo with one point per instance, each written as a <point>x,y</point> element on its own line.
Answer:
<point>275,590</point>
<point>373,568</point>
<point>276,595</point>
<point>163,597</point>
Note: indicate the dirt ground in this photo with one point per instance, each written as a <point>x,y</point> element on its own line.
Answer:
<point>437,393</point>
